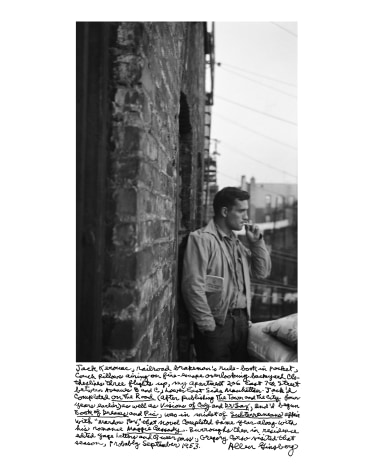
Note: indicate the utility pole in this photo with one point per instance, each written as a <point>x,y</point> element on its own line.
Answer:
<point>273,243</point>
<point>214,154</point>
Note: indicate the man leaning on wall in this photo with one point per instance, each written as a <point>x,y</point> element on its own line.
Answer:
<point>217,275</point>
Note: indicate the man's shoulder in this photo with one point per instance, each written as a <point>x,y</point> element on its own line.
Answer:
<point>201,233</point>
<point>209,228</point>
<point>204,234</point>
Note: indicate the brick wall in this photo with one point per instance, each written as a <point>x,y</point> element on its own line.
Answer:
<point>154,174</point>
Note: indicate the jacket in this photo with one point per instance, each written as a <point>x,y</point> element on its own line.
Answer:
<point>207,282</point>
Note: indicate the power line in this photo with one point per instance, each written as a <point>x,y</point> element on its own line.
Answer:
<point>256,73</point>
<point>292,259</point>
<point>268,191</point>
<point>267,284</point>
<point>285,29</point>
<point>257,111</point>
<point>264,295</point>
<point>284,258</point>
<point>253,159</point>
<point>228,176</point>
<point>260,83</point>
<point>278,284</point>
<point>255,132</point>
<point>284,253</point>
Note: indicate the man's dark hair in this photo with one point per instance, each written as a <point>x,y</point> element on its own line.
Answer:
<point>226,198</point>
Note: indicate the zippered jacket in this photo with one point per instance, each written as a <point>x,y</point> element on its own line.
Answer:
<point>208,275</point>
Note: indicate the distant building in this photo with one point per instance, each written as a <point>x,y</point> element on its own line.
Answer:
<point>274,207</point>
<point>270,201</point>
<point>210,179</point>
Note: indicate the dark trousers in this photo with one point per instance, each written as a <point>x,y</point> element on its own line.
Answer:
<point>227,343</point>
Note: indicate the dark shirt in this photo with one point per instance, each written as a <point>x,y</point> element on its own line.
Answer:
<point>233,245</point>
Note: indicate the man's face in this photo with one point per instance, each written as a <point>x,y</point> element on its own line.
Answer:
<point>237,215</point>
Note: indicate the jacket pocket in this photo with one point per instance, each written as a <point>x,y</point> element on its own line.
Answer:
<point>214,300</point>
<point>213,283</point>
<point>214,290</point>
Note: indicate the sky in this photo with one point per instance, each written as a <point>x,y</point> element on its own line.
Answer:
<point>258,70</point>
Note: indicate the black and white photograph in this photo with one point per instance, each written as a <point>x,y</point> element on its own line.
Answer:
<point>179,181</point>
<point>187,191</point>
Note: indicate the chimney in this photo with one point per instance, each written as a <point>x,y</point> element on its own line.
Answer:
<point>243,183</point>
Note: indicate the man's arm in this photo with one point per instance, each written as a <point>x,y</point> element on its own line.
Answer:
<point>193,282</point>
<point>261,264</point>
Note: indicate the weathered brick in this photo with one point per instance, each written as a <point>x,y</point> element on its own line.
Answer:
<point>126,202</point>
<point>117,299</point>
<point>125,171</point>
<point>148,288</point>
<point>160,300</point>
<point>168,228</point>
<point>120,355</point>
<point>154,305</point>
<point>123,266</point>
<point>133,100</point>
<point>145,262</point>
<point>149,148</point>
<point>148,81</point>
<point>147,111</point>
<point>122,335</point>
<point>170,169</point>
<point>125,330</point>
<point>149,207</point>
<point>150,176</point>
<point>152,64</point>
<point>125,235</point>
<point>167,273</point>
<point>144,349</point>
<point>130,35</point>
<point>128,69</point>
<point>156,230</point>
<point>132,138</point>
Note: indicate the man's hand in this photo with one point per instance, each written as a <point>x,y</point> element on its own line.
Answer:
<point>253,233</point>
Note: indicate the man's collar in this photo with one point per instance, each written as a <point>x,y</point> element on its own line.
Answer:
<point>214,229</point>
<point>223,235</point>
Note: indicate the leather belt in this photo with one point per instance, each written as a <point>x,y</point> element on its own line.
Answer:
<point>237,311</point>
